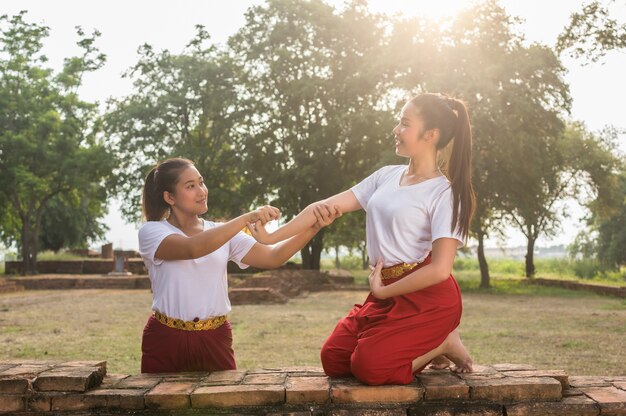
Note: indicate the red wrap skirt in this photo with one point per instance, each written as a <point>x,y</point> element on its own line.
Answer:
<point>171,350</point>
<point>378,341</point>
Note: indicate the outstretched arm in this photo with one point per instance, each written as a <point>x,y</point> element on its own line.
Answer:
<point>180,247</point>
<point>270,257</point>
<point>344,202</point>
<point>439,269</point>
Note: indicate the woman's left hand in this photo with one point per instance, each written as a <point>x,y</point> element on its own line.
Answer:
<point>325,215</point>
<point>376,279</point>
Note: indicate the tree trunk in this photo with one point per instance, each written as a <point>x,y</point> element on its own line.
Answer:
<point>337,263</point>
<point>530,263</point>
<point>482,261</point>
<point>364,262</point>
<point>312,252</point>
<point>30,237</point>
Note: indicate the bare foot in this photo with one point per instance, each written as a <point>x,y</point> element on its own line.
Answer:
<point>454,349</point>
<point>440,363</point>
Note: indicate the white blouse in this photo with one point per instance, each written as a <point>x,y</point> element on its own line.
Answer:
<point>189,289</point>
<point>403,221</point>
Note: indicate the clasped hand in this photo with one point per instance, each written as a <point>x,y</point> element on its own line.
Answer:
<point>376,279</point>
<point>324,216</point>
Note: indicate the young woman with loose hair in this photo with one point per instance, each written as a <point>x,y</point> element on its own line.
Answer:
<point>186,258</point>
<point>416,219</point>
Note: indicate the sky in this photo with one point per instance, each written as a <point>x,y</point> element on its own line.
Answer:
<point>125,25</point>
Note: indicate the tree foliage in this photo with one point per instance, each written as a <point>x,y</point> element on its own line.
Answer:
<point>49,138</point>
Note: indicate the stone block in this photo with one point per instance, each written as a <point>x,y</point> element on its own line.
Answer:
<point>25,370</point>
<point>224,377</point>
<point>272,378</point>
<point>351,391</point>
<point>368,412</point>
<point>40,402</point>
<point>588,381</point>
<point>512,389</point>
<point>111,380</point>
<point>138,382</point>
<point>556,374</point>
<point>14,385</point>
<point>307,390</point>
<point>612,401</point>
<point>169,395</point>
<point>75,401</point>
<point>569,406</point>
<point>11,403</point>
<point>457,409</point>
<point>132,399</point>
<point>444,386</point>
<point>72,380</point>
<point>238,395</point>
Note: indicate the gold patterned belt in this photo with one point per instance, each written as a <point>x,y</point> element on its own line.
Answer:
<point>398,270</point>
<point>200,325</point>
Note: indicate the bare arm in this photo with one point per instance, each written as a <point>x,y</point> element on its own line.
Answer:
<point>439,269</point>
<point>344,201</point>
<point>268,257</point>
<point>180,247</point>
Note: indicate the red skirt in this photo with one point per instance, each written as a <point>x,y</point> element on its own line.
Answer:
<point>378,341</point>
<point>170,350</point>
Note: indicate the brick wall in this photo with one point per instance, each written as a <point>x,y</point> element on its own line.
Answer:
<point>30,387</point>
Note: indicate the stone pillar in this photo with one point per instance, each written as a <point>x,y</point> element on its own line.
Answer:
<point>107,251</point>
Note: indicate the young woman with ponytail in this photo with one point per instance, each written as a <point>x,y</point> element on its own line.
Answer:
<point>186,258</point>
<point>417,217</point>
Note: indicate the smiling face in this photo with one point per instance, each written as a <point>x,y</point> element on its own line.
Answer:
<point>190,193</point>
<point>410,134</point>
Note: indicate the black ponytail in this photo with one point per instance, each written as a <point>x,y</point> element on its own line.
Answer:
<point>160,179</point>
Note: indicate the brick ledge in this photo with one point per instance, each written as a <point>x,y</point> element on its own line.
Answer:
<point>33,387</point>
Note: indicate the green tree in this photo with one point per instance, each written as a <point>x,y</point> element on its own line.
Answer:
<point>182,105</point>
<point>313,81</point>
<point>515,94</point>
<point>348,231</point>
<point>73,220</point>
<point>592,32</point>
<point>48,137</point>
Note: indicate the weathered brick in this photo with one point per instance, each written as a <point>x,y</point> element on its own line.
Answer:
<point>304,372</point>
<point>457,409</point>
<point>481,372</point>
<point>307,390</point>
<point>273,378</point>
<point>11,403</point>
<point>368,412</point>
<point>224,377</point>
<point>571,392</point>
<point>355,392</point>
<point>237,395</point>
<point>513,367</point>
<point>169,395</point>
<point>620,384</point>
<point>41,402</point>
<point>14,385</point>
<point>121,398</point>
<point>444,386</point>
<point>569,406</point>
<point>25,371</point>
<point>100,364</point>
<point>510,389</point>
<point>78,380</point>
<point>588,381</point>
<point>612,400</point>
<point>112,380</point>
<point>556,374</point>
<point>138,382</point>
<point>74,401</point>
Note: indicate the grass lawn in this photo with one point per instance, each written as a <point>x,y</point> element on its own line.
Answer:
<point>551,328</point>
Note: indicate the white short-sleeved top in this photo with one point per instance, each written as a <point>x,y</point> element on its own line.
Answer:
<point>189,289</point>
<point>403,221</point>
